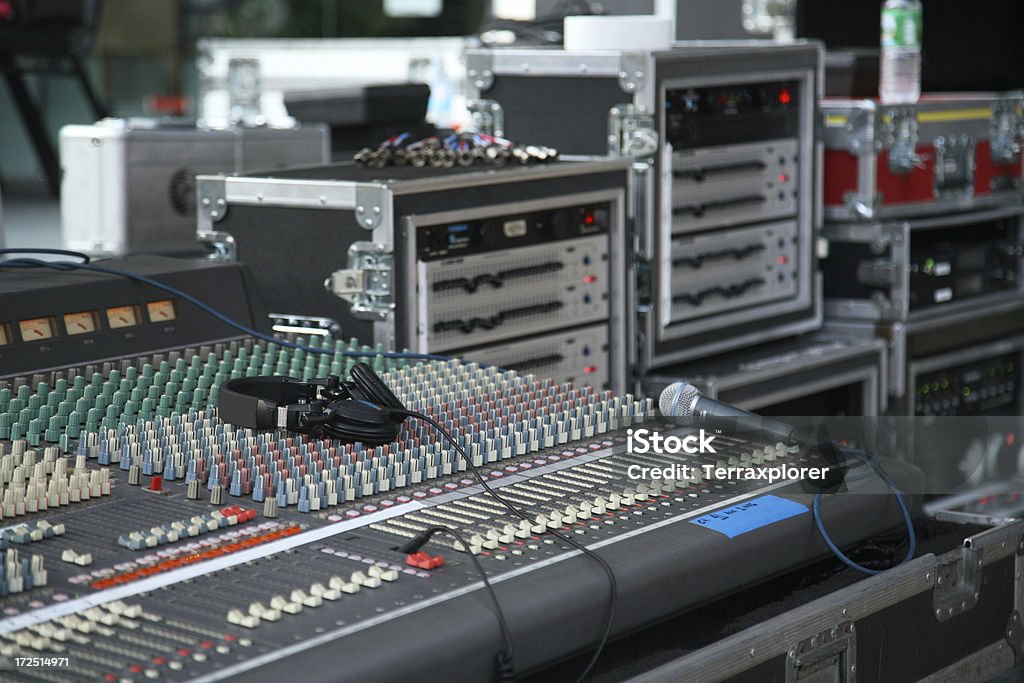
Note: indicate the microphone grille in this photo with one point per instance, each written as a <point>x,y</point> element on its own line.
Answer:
<point>677,400</point>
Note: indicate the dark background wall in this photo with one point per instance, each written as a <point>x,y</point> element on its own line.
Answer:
<point>967,45</point>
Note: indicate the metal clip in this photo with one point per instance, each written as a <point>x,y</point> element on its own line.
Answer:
<point>631,132</point>
<point>879,273</point>
<point>488,117</point>
<point>221,244</point>
<point>1005,132</point>
<point>957,584</point>
<point>828,655</point>
<point>367,282</point>
<point>954,166</point>
<point>902,133</point>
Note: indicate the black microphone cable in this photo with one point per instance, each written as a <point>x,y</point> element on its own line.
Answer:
<point>612,583</point>
<point>504,659</point>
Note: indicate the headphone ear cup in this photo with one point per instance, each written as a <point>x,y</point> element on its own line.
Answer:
<point>373,387</point>
<point>371,435</point>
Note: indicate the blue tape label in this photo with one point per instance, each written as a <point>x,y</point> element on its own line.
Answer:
<point>750,515</point>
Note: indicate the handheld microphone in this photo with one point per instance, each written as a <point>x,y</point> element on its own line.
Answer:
<point>684,402</point>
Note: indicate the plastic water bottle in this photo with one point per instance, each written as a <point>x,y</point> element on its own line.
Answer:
<point>900,78</point>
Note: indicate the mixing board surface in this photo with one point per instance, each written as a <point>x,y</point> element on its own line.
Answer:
<point>145,539</point>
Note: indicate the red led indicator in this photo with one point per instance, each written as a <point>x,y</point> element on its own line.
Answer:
<point>1010,438</point>
<point>589,279</point>
<point>783,178</point>
<point>590,369</point>
<point>589,219</point>
<point>784,97</point>
<point>783,260</point>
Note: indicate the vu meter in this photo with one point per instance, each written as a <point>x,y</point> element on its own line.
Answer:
<point>160,311</point>
<point>5,337</point>
<point>36,329</point>
<point>80,323</point>
<point>122,316</point>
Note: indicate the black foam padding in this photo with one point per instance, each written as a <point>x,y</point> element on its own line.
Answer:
<point>373,387</point>
<point>354,420</point>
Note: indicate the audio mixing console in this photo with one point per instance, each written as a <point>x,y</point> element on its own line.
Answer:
<point>145,539</point>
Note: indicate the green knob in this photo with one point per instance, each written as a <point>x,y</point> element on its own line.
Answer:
<point>53,429</point>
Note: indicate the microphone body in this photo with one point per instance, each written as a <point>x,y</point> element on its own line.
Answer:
<point>683,401</point>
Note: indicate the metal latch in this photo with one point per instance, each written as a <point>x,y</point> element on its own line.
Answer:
<point>367,282</point>
<point>879,273</point>
<point>221,245</point>
<point>954,166</point>
<point>643,286</point>
<point>1005,132</point>
<point>902,133</point>
<point>957,584</point>
<point>830,655</point>
<point>487,117</point>
<point>631,132</point>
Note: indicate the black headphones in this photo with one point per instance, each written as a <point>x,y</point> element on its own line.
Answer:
<point>363,409</point>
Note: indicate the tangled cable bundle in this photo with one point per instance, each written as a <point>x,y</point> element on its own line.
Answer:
<point>462,149</point>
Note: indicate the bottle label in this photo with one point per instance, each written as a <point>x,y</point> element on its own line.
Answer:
<point>901,27</point>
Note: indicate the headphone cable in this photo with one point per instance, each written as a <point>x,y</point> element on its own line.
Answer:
<point>612,583</point>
